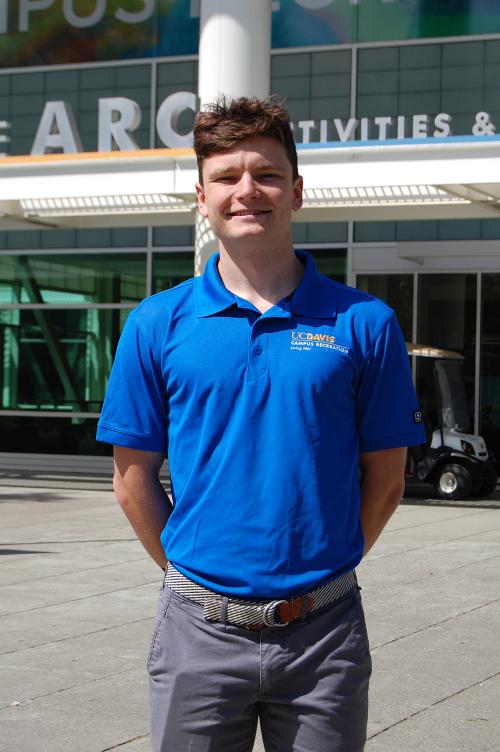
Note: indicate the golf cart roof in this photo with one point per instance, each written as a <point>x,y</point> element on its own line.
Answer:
<point>425,351</point>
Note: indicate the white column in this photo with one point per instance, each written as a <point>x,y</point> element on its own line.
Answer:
<point>235,61</point>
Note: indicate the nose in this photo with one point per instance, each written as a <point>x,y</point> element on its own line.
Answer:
<point>247,186</point>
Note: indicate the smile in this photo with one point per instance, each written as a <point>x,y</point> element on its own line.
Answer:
<point>248,212</point>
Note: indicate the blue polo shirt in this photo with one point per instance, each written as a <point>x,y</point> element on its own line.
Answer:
<point>263,418</point>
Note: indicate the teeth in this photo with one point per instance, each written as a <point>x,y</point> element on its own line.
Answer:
<point>248,213</point>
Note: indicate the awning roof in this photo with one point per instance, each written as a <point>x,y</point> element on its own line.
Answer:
<point>447,178</point>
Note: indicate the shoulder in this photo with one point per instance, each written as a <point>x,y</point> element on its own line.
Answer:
<point>359,306</point>
<point>362,317</point>
<point>163,304</point>
<point>154,317</point>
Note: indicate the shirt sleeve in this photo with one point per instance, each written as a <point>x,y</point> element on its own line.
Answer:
<point>388,412</point>
<point>134,412</point>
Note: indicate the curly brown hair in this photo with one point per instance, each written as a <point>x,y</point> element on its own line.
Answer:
<point>228,122</point>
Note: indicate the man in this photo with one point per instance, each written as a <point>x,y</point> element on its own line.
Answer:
<point>284,402</point>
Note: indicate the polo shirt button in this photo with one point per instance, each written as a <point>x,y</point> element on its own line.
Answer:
<point>258,350</point>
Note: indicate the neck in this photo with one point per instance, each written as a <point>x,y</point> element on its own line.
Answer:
<point>263,278</point>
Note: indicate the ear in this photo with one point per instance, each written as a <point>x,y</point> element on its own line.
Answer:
<point>202,203</point>
<point>298,189</point>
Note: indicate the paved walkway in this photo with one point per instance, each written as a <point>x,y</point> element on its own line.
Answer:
<point>77,596</point>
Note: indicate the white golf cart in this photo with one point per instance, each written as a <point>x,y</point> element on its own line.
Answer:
<point>457,463</point>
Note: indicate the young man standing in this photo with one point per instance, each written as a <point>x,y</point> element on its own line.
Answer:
<point>284,402</point>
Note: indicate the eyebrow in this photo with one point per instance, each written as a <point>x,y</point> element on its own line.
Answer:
<point>260,167</point>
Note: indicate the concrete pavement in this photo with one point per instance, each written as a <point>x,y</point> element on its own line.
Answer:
<point>77,598</point>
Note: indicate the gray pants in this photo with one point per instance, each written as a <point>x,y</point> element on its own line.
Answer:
<point>307,683</point>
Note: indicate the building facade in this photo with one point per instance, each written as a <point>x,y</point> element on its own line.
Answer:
<point>125,76</point>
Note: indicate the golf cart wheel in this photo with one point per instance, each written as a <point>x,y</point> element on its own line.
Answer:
<point>487,484</point>
<point>453,482</point>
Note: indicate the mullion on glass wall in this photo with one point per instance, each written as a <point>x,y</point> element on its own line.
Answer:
<point>477,364</point>
<point>490,363</point>
<point>414,327</point>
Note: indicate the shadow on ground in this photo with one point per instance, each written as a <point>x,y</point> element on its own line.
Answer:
<point>17,551</point>
<point>12,496</point>
<point>424,494</point>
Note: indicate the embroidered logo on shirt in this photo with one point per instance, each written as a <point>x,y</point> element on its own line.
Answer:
<point>302,340</point>
<point>417,416</point>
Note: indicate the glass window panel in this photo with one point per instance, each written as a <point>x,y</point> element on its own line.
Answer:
<point>51,239</point>
<point>170,269</point>
<point>447,320</point>
<point>378,58</point>
<point>96,78</point>
<point>299,109</point>
<point>462,229</point>
<point>299,233</point>
<point>327,232</point>
<point>420,79</point>
<point>291,65</point>
<point>320,106</point>
<point>463,53</point>
<point>51,436</point>
<point>397,291</point>
<point>490,229</point>
<point>179,73</point>
<point>299,86</point>
<point>129,237</point>
<point>57,359</point>
<point>374,232</point>
<point>418,56</point>
<point>172,236</point>
<point>490,365</point>
<point>333,61</point>
<point>492,50</point>
<point>435,78</point>
<point>412,230</point>
<point>332,262</point>
<point>63,279</point>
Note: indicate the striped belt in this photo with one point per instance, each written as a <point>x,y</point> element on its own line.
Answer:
<point>257,614</point>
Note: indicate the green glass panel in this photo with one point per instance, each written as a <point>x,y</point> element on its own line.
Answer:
<point>63,279</point>
<point>170,269</point>
<point>57,359</point>
<point>397,291</point>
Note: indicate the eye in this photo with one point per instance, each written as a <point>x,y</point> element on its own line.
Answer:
<point>269,176</point>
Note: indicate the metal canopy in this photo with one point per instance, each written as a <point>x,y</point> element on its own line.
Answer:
<point>448,178</point>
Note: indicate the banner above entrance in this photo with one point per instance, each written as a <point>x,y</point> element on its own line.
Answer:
<point>46,32</point>
<point>453,178</point>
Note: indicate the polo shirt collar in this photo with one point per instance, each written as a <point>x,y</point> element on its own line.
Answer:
<point>210,294</point>
<point>313,297</point>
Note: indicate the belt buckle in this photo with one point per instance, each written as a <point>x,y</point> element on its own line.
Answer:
<point>266,614</point>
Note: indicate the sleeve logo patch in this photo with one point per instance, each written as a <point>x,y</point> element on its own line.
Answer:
<point>417,416</point>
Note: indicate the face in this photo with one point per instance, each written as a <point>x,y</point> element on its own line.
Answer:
<point>248,193</point>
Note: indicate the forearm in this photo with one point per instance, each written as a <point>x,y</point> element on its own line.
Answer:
<point>143,500</point>
<point>382,486</point>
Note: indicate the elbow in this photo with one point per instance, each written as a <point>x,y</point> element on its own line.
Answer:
<point>396,492</point>
<point>121,491</point>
